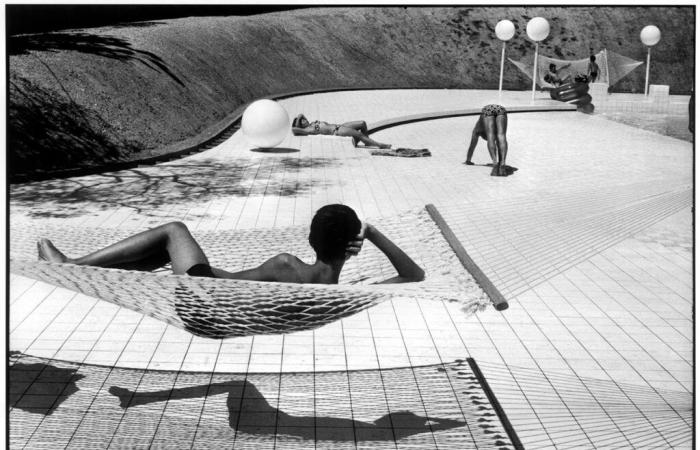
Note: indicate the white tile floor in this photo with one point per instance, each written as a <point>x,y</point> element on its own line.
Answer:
<point>590,240</point>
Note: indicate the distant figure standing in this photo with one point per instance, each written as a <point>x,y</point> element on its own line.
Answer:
<point>492,126</point>
<point>593,70</point>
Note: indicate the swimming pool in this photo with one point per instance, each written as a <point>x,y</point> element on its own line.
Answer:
<point>674,125</point>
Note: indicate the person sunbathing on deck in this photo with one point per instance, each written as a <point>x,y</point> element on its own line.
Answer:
<point>336,234</point>
<point>357,130</point>
<point>492,126</point>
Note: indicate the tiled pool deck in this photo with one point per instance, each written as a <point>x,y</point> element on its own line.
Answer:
<point>591,241</point>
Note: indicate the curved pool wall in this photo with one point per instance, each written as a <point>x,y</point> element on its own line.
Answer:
<point>224,130</point>
<point>165,86</point>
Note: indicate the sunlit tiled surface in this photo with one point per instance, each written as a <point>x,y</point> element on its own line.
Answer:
<point>439,405</point>
<point>590,240</point>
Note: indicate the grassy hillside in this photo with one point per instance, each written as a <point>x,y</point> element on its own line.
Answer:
<point>104,94</point>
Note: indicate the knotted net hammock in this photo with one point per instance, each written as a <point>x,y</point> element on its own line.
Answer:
<point>222,308</point>
<point>613,67</point>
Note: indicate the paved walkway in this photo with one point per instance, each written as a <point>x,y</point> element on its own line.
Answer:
<point>590,241</point>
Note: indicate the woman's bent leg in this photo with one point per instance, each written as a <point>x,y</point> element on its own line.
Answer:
<point>170,242</point>
<point>359,125</point>
<point>357,136</point>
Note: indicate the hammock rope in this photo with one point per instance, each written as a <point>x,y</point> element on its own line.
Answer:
<point>613,67</point>
<point>222,308</point>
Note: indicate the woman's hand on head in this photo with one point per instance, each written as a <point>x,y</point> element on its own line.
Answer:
<point>354,246</point>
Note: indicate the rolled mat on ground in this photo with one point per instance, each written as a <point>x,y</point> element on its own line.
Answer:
<point>401,151</point>
<point>221,308</point>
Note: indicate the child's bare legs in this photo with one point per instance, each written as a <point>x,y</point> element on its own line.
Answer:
<point>143,251</point>
<point>358,136</point>
<point>501,129</point>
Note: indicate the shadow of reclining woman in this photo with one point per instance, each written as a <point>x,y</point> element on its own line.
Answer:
<point>245,398</point>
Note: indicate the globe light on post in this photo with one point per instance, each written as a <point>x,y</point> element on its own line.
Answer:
<point>505,30</point>
<point>537,30</point>
<point>265,123</point>
<point>650,36</point>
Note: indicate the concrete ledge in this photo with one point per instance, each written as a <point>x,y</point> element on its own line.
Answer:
<point>598,92</point>
<point>396,121</point>
<point>659,91</point>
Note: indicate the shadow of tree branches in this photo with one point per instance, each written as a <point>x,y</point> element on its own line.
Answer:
<point>48,131</point>
<point>105,46</point>
<point>146,189</point>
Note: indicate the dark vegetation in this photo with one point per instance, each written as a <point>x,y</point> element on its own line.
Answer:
<point>26,18</point>
<point>133,90</point>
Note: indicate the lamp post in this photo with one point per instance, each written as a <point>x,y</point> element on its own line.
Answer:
<point>537,30</point>
<point>650,36</point>
<point>505,30</point>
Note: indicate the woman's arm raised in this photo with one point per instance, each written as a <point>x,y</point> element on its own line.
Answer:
<point>407,269</point>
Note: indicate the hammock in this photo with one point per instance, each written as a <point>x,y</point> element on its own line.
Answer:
<point>222,308</point>
<point>613,67</point>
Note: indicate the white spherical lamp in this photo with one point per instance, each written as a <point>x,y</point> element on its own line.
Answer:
<point>538,29</point>
<point>650,35</point>
<point>505,30</point>
<point>265,123</point>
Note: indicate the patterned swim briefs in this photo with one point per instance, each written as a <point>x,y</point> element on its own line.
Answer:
<point>493,110</point>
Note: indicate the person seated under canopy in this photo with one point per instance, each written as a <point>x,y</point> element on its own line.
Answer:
<point>554,76</point>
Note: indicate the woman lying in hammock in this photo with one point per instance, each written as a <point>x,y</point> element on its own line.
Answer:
<point>336,234</point>
<point>357,130</point>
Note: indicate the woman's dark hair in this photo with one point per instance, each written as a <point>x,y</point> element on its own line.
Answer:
<point>332,228</point>
<point>552,67</point>
<point>296,123</point>
<point>592,57</point>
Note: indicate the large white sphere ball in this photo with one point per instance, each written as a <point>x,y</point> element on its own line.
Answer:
<point>538,28</point>
<point>505,30</point>
<point>265,123</point>
<point>650,35</point>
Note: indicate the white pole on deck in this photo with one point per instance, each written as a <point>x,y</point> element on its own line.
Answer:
<point>650,36</point>
<point>504,31</point>
<point>537,30</point>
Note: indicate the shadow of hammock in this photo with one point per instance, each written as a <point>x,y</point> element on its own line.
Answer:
<point>425,405</point>
<point>586,412</point>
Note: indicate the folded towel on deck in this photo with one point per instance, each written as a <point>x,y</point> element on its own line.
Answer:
<point>405,152</point>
